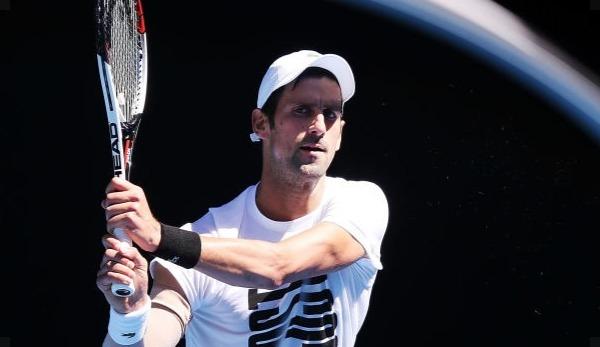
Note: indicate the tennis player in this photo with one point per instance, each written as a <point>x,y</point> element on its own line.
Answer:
<point>290,261</point>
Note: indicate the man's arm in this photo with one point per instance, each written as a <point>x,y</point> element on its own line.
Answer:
<point>170,310</point>
<point>248,263</point>
<point>163,330</point>
<point>254,263</point>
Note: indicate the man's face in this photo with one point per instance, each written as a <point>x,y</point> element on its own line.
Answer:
<point>307,129</point>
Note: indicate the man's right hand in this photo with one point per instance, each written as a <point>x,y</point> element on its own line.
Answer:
<point>122,265</point>
<point>126,207</point>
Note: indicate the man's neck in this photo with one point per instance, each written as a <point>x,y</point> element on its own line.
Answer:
<point>285,201</point>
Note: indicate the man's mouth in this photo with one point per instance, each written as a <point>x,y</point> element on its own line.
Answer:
<point>312,148</point>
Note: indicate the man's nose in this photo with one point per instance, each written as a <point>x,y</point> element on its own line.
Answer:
<point>317,126</point>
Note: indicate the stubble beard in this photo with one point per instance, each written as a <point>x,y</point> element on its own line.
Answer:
<point>295,173</point>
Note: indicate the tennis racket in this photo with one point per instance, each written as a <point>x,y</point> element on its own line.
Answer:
<point>123,66</point>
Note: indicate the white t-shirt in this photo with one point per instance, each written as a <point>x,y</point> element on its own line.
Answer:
<point>326,310</point>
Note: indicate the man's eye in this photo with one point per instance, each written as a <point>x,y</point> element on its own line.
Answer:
<point>331,114</point>
<point>302,110</point>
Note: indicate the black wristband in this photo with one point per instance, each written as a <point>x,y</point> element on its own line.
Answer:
<point>180,247</point>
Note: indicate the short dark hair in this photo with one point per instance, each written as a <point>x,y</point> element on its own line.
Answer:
<point>271,104</point>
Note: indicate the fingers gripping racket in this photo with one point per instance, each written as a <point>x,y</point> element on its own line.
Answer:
<point>122,63</point>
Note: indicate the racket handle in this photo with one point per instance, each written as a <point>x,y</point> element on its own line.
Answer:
<point>120,289</point>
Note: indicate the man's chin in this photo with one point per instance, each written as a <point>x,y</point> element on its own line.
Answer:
<point>312,171</point>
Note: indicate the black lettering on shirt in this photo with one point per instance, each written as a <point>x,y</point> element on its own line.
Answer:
<point>302,310</point>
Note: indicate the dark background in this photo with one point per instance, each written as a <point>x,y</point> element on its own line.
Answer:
<point>493,192</point>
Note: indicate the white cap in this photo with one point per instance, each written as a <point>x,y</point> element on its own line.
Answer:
<point>286,68</point>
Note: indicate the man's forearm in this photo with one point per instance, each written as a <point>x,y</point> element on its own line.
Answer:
<point>260,264</point>
<point>108,342</point>
<point>163,330</point>
<point>244,263</point>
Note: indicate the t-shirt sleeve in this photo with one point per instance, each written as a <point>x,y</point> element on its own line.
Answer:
<point>191,281</point>
<point>188,279</point>
<point>361,208</point>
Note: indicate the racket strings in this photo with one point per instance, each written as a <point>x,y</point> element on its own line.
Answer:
<point>124,52</point>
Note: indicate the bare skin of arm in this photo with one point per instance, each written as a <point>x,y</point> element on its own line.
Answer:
<point>252,263</point>
<point>249,263</point>
<point>170,310</point>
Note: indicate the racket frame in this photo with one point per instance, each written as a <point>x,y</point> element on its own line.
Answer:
<point>122,132</point>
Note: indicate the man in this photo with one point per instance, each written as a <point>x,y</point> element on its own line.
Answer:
<point>290,261</point>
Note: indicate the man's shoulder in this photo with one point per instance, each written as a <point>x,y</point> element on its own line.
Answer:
<point>217,216</point>
<point>358,191</point>
<point>236,202</point>
<point>227,217</point>
<point>349,184</point>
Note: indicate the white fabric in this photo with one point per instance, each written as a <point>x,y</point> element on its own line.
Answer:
<point>285,69</point>
<point>129,328</point>
<point>326,310</point>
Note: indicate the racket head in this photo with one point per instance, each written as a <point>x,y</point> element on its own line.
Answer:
<point>121,44</point>
<point>122,53</point>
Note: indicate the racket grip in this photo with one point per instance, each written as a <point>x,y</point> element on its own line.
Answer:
<point>120,289</point>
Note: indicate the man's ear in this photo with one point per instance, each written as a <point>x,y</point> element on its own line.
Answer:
<point>260,123</point>
<point>339,142</point>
